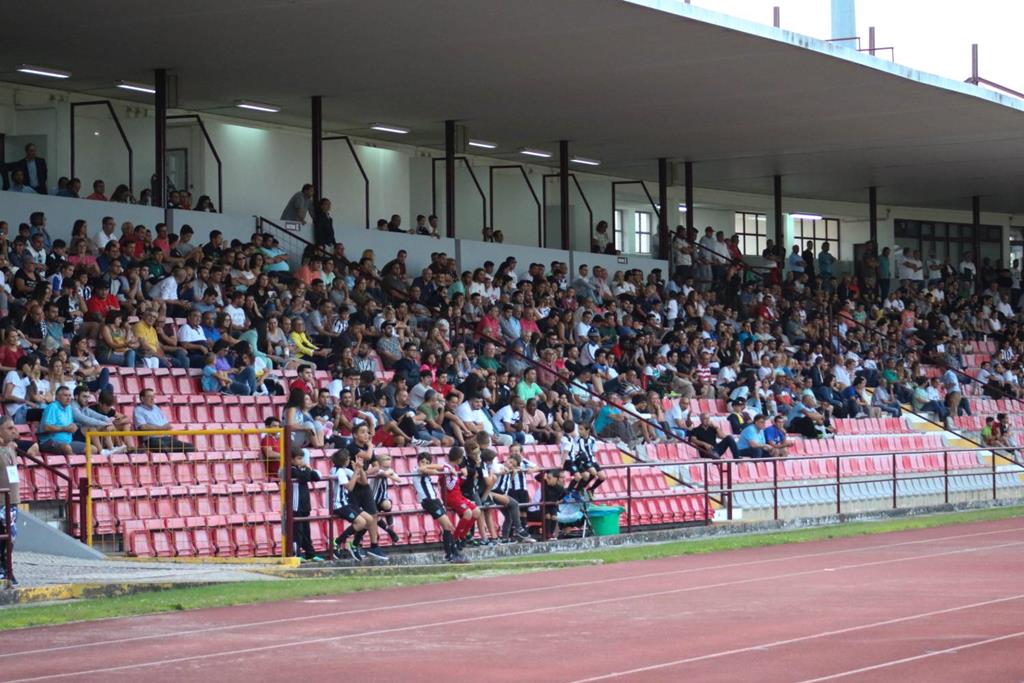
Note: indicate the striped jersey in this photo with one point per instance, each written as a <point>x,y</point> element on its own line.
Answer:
<point>424,485</point>
<point>341,477</point>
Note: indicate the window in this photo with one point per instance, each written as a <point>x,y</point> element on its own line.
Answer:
<point>642,235</point>
<point>950,241</point>
<point>752,229</point>
<point>817,231</point>
<point>617,230</point>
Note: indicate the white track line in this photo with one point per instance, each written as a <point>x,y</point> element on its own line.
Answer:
<point>550,608</point>
<point>497,594</point>
<point>824,634</point>
<point>926,655</point>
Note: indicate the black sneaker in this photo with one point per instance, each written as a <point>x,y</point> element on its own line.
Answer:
<point>354,551</point>
<point>377,554</point>
<point>393,535</point>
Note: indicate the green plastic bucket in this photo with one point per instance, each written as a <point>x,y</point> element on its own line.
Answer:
<point>604,519</point>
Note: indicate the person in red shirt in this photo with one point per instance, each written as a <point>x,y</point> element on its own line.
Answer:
<point>489,326</point>
<point>305,382</point>
<point>102,301</point>
<point>11,351</point>
<point>98,188</point>
<point>270,448</point>
<point>450,483</point>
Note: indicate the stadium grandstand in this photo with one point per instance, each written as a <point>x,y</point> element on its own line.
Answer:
<point>427,300</point>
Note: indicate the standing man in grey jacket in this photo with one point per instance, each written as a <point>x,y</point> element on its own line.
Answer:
<point>89,420</point>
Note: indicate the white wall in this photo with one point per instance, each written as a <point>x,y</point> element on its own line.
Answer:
<point>61,213</point>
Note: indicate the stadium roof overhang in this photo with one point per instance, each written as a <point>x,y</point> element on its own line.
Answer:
<point>625,81</point>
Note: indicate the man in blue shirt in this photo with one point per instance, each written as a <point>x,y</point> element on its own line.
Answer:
<point>57,425</point>
<point>826,264</point>
<point>751,443</point>
<point>775,438</point>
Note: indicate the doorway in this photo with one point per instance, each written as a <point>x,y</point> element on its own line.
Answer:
<point>177,169</point>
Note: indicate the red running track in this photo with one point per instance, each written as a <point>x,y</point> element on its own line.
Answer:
<point>932,605</point>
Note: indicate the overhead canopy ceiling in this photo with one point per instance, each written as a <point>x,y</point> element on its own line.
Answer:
<point>625,81</point>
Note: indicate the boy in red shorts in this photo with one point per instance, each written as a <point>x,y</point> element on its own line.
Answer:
<point>450,483</point>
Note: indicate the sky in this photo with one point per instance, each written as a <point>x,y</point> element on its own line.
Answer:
<point>929,35</point>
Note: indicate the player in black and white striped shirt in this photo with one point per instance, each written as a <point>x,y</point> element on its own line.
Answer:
<point>346,507</point>
<point>430,501</point>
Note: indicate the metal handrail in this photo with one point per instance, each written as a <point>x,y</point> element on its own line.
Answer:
<point>72,489</point>
<point>727,489</point>
<point>120,130</point>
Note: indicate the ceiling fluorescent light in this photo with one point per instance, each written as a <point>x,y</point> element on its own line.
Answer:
<point>482,144</point>
<point>806,216</point>
<point>388,128</point>
<point>535,153</point>
<point>585,162</point>
<point>43,71</point>
<point>257,106</point>
<point>682,208</point>
<point>136,87</point>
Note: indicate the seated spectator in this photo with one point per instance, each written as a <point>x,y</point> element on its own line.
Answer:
<point>776,440</point>
<point>19,393</point>
<point>709,439</point>
<point>98,189</point>
<point>752,442</point>
<point>57,426</point>
<point>116,344</point>
<point>148,417</point>
<point>89,420</point>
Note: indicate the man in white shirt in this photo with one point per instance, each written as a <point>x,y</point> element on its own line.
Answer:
<point>166,291</point>
<point>706,257</point>
<point>18,390</point>
<point>235,311</point>
<point>509,421</point>
<point>472,413</point>
<point>192,338</point>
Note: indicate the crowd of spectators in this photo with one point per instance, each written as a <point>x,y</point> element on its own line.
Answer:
<point>515,352</point>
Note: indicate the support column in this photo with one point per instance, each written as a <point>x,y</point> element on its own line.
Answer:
<point>563,191</point>
<point>449,178</point>
<point>976,223</point>
<point>317,151</point>
<point>160,137</point>
<point>663,213</point>
<point>780,231</point>
<point>873,214</point>
<point>689,194</point>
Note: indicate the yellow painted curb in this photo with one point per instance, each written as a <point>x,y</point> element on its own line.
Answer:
<point>80,591</point>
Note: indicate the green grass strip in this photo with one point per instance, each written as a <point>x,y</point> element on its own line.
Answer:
<point>227,594</point>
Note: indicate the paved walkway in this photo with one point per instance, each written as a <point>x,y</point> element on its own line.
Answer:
<point>34,569</point>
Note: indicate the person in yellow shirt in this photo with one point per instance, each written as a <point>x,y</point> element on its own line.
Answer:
<point>153,343</point>
<point>305,347</point>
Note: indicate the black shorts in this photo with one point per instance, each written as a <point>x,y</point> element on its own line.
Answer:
<point>590,465</point>
<point>433,507</point>
<point>348,512</point>
<point>520,495</point>
<point>571,466</point>
<point>362,497</point>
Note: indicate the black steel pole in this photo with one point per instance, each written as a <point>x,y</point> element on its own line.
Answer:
<point>873,213</point>
<point>563,190</point>
<point>160,137</point>
<point>689,195</point>
<point>663,212</point>
<point>779,228</point>
<point>449,177</point>
<point>317,115</point>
